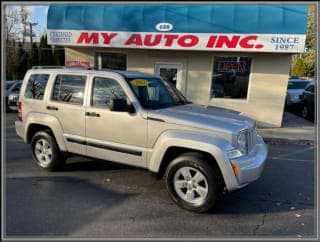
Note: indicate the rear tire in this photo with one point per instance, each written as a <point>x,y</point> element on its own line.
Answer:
<point>46,152</point>
<point>192,183</point>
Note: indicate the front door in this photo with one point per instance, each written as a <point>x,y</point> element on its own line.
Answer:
<point>170,72</point>
<point>112,135</point>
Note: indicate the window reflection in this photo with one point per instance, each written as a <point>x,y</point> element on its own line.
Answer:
<point>69,88</point>
<point>36,86</point>
<point>104,89</point>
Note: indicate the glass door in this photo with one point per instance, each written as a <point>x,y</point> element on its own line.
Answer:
<point>170,72</point>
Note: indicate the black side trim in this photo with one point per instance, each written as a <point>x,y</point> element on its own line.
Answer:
<point>73,140</point>
<point>117,149</point>
<point>155,119</point>
<point>107,147</point>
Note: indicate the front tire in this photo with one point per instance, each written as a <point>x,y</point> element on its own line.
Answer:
<point>192,183</point>
<point>46,152</point>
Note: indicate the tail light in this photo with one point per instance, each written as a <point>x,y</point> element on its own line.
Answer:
<point>19,111</point>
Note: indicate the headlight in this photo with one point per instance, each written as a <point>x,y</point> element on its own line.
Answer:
<point>242,142</point>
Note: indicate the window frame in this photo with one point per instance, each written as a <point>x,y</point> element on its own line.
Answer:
<point>69,74</point>
<point>236,100</point>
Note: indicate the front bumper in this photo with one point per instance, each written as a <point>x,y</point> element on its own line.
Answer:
<point>251,166</point>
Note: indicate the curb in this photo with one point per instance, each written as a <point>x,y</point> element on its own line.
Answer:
<point>275,141</point>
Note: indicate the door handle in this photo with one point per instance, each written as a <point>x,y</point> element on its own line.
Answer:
<point>92,114</point>
<point>52,108</point>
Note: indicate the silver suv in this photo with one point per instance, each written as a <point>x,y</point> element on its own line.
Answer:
<point>140,120</point>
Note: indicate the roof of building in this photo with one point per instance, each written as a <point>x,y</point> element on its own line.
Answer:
<point>185,18</point>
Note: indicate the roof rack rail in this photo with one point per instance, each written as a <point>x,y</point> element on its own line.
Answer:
<point>64,67</point>
<point>48,67</point>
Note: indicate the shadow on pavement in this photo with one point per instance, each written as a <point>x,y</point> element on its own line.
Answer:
<point>55,205</point>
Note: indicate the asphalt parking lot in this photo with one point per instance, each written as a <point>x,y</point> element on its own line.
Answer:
<point>93,198</point>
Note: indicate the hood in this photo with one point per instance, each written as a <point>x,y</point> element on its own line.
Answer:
<point>204,117</point>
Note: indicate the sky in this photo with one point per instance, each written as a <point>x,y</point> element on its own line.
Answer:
<point>38,14</point>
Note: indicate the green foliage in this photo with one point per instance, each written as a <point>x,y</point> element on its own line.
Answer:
<point>305,64</point>
<point>20,65</point>
<point>45,53</point>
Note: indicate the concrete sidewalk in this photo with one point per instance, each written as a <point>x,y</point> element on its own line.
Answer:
<point>294,128</point>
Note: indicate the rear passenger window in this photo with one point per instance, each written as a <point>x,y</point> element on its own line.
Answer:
<point>69,89</point>
<point>36,86</point>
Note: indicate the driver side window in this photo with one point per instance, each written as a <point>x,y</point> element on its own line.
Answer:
<point>103,90</point>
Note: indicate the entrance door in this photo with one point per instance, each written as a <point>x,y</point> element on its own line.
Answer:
<point>170,72</point>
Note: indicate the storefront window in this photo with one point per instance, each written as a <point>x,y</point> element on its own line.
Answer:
<point>230,77</point>
<point>114,61</point>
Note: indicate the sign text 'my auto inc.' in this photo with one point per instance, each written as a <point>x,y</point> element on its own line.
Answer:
<point>185,41</point>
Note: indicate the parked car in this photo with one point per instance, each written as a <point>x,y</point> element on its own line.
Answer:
<point>140,120</point>
<point>13,101</point>
<point>294,90</point>
<point>308,101</point>
<point>11,86</point>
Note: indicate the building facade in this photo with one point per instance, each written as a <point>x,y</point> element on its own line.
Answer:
<point>231,56</point>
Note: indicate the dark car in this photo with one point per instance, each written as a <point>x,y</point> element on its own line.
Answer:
<point>308,102</point>
<point>11,87</point>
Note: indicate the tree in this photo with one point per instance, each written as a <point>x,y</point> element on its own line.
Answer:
<point>11,21</point>
<point>58,55</point>
<point>305,64</point>
<point>45,52</point>
<point>34,58</point>
<point>20,63</point>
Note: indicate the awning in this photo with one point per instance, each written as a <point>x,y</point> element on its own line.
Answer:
<point>227,27</point>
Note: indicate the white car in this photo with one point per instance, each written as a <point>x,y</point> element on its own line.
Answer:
<point>295,89</point>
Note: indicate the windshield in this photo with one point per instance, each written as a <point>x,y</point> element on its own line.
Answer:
<point>154,93</point>
<point>9,84</point>
<point>297,85</point>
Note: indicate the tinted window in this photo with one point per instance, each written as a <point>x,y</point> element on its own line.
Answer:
<point>230,77</point>
<point>105,89</point>
<point>36,86</point>
<point>69,89</point>
<point>17,87</point>
<point>9,84</point>
<point>297,85</point>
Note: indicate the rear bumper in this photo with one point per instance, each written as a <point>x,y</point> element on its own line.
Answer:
<point>251,166</point>
<point>20,129</point>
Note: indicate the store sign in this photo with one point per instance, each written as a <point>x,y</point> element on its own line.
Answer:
<point>187,41</point>
<point>75,63</point>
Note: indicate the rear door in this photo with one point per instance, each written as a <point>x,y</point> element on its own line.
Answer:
<point>66,103</point>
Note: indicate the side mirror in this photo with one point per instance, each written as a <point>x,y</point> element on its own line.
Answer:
<point>121,105</point>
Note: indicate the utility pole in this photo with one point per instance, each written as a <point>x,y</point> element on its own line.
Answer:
<point>31,24</point>
<point>31,32</point>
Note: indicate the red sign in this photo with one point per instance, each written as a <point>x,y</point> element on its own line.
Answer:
<point>227,66</point>
<point>78,63</point>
